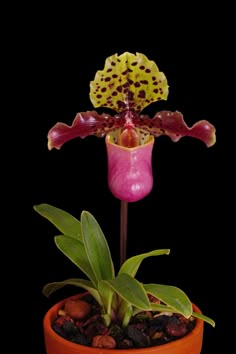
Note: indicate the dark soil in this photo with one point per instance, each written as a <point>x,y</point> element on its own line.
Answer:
<point>144,330</point>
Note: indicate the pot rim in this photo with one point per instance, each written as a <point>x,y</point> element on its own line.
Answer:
<point>52,312</point>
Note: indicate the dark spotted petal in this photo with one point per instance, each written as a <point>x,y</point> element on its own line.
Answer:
<point>84,124</point>
<point>128,82</point>
<point>173,125</point>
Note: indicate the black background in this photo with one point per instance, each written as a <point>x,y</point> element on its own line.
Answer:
<point>59,51</point>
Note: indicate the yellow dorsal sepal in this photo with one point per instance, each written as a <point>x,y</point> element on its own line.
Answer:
<point>128,81</point>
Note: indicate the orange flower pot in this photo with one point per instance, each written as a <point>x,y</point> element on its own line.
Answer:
<point>55,344</point>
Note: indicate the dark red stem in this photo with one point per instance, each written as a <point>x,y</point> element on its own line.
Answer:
<point>123,230</point>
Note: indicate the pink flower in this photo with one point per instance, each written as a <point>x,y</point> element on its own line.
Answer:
<point>127,84</point>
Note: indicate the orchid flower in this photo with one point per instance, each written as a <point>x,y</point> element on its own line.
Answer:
<point>127,84</point>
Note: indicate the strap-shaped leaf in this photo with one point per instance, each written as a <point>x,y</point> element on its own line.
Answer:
<point>131,265</point>
<point>160,308</point>
<point>106,294</point>
<point>155,308</point>
<point>75,251</point>
<point>171,296</point>
<point>96,247</point>
<point>130,290</point>
<point>64,222</point>
<point>204,318</point>
<point>50,288</point>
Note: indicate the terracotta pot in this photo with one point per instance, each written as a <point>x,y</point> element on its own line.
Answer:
<point>55,344</point>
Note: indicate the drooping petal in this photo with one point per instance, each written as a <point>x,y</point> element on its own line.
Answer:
<point>173,125</point>
<point>84,124</point>
<point>128,81</point>
<point>130,170</point>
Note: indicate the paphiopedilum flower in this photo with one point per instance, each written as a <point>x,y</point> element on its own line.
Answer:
<point>127,84</point>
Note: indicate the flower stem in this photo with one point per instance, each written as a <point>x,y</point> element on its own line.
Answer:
<point>123,230</point>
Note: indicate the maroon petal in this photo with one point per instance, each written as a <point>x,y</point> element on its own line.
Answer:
<point>84,124</point>
<point>173,125</point>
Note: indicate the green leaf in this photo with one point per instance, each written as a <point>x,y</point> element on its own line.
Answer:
<point>129,312</point>
<point>171,296</point>
<point>64,222</point>
<point>131,265</point>
<point>106,294</point>
<point>130,290</point>
<point>161,308</point>
<point>204,318</point>
<point>75,251</point>
<point>156,308</point>
<point>50,288</point>
<point>96,247</point>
